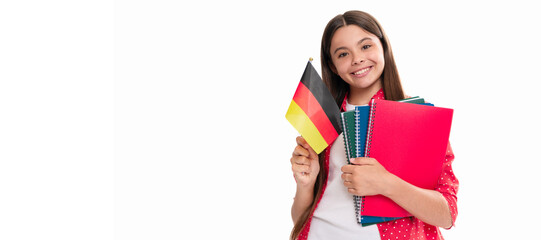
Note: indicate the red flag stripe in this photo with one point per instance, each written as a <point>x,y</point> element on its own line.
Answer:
<point>309,104</point>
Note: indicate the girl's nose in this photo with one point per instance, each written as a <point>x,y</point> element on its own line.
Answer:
<point>357,59</point>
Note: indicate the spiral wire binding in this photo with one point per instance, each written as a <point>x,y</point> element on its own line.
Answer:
<point>370,129</point>
<point>368,146</point>
<point>356,200</point>
<point>344,130</point>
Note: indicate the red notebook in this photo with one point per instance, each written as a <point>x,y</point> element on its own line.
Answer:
<point>410,141</point>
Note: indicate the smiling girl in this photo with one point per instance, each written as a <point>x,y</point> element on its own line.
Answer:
<point>357,66</point>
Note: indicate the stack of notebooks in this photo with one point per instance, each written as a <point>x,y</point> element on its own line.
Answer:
<point>408,137</point>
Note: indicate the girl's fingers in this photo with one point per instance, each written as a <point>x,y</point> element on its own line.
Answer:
<point>346,177</point>
<point>300,168</point>
<point>363,161</point>
<point>301,151</point>
<point>313,154</point>
<point>302,142</point>
<point>300,160</point>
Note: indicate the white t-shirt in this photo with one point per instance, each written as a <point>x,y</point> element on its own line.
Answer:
<point>334,217</point>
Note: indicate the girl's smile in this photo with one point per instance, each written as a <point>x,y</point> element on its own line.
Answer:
<point>361,72</point>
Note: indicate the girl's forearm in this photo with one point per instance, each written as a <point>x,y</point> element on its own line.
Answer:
<point>303,199</point>
<point>427,205</point>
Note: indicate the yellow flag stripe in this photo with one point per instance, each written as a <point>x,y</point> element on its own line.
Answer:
<point>298,118</point>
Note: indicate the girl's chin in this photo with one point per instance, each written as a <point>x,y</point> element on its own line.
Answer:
<point>363,84</point>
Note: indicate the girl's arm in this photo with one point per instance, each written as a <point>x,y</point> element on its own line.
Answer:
<point>367,177</point>
<point>305,167</point>
<point>428,206</point>
<point>303,200</point>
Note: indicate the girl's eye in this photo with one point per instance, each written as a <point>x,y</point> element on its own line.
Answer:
<point>342,55</point>
<point>364,47</point>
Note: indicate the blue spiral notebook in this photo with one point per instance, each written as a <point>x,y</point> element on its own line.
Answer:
<point>349,126</point>
<point>361,114</point>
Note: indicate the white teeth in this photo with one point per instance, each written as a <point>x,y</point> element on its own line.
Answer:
<point>361,71</point>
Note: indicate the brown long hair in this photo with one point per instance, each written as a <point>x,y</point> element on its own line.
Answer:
<point>392,87</point>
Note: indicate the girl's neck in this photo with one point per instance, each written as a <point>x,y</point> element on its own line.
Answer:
<point>362,96</point>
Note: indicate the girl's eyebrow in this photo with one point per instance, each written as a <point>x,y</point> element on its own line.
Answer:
<point>358,43</point>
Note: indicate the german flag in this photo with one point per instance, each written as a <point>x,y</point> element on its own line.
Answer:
<point>313,111</point>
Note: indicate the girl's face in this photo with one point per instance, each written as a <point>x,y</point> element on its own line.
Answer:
<point>358,59</point>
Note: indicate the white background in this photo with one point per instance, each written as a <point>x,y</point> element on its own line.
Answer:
<point>165,120</point>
